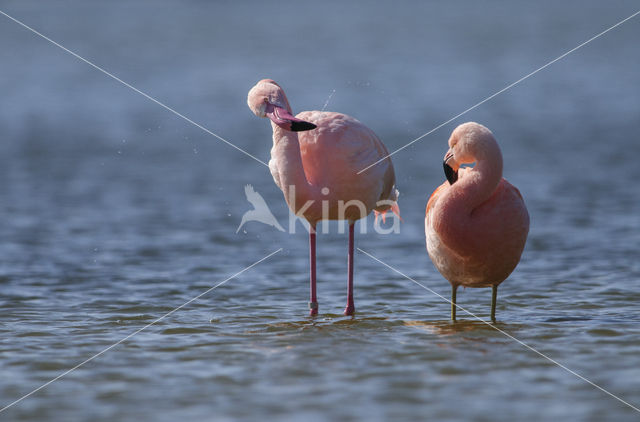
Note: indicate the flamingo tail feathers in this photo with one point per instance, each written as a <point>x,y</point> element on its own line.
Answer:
<point>383,214</point>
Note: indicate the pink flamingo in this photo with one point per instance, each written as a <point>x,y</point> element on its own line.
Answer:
<point>476,227</point>
<point>315,160</point>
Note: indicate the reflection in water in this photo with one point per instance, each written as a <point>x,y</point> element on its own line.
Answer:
<point>328,322</point>
<point>448,327</point>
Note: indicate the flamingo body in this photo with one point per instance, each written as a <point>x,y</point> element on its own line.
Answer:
<point>332,155</point>
<point>492,243</point>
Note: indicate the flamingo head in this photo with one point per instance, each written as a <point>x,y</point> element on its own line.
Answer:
<point>267,99</point>
<point>469,142</point>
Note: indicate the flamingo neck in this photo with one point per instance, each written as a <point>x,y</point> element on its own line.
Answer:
<point>288,158</point>
<point>479,183</point>
<point>456,206</point>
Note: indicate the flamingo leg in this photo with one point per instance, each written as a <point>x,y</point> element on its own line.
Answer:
<point>313,300</point>
<point>454,289</point>
<point>350,309</point>
<point>494,297</point>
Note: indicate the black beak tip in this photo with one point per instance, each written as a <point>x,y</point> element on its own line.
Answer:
<point>452,175</point>
<point>302,126</point>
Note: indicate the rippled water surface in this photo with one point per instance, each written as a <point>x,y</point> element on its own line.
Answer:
<point>115,212</point>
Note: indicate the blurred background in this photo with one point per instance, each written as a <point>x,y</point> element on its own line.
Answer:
<point>114,211</point>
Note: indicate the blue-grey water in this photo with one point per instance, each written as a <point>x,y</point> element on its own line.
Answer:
<point>114,212</point>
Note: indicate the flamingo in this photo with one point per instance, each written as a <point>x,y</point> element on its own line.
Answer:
<point>315,160</point>
<point>476,222</point>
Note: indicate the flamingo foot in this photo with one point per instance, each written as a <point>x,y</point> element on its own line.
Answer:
<point>350,310</point>
<point>313,308</point>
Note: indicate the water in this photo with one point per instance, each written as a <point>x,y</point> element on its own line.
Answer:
<point>115,212</point>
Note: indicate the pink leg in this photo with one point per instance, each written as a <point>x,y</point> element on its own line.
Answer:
<point>313,301</point>
<point>350,309</point>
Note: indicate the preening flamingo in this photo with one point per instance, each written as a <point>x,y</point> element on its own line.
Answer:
<point>315,159</point>
<point>476,223</point>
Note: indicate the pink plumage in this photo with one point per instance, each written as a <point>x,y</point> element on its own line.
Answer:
<point>315,160</point>
<point>476,223</point>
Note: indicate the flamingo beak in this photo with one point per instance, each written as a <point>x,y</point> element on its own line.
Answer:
<point>449,172</point>
<point>286,120</point>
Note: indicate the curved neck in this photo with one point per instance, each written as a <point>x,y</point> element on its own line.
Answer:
<point>463,197</point>
<point>479,183</point>
<point>287,156</point>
